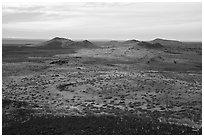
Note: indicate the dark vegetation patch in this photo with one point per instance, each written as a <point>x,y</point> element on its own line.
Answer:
<point>62,87</point>
<point>16,70</point>
<point>108,62</point>
<point>95,125</point>
<point>172,52</point>
<point>59,62</point>
<point>22,54</point>
<point>177,67</point>
<point>13,103</point>
<point>15,112</point>
<point>36,68</point>
<point>185,76</point>
<point>195,45</point>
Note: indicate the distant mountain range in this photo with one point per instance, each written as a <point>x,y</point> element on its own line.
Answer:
<point>58,42</point>
<point>156,43</point>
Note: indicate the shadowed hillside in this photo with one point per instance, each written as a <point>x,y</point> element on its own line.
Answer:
<point>82,44</point>
<point>150,46</point>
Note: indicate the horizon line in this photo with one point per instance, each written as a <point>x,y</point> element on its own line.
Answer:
<point>101,39</point>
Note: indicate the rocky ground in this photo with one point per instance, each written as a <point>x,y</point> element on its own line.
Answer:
<point>122,85</point>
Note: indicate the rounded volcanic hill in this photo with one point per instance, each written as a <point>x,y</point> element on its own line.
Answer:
<point>58,42</point>
<point>150,45</point>
<point>166,42</point>
<point>83,44</point>
<point>88,44</point>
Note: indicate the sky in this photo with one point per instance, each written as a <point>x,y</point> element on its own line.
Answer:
<point>115,21</point>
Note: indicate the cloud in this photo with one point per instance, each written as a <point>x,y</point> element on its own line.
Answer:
<point>100,19</point>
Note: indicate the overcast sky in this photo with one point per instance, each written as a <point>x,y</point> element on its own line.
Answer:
<point>142,21</point>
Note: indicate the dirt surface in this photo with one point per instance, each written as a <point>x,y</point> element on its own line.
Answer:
<point>142,90</point>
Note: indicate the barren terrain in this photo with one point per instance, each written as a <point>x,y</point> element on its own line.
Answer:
<point>114,88</point>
